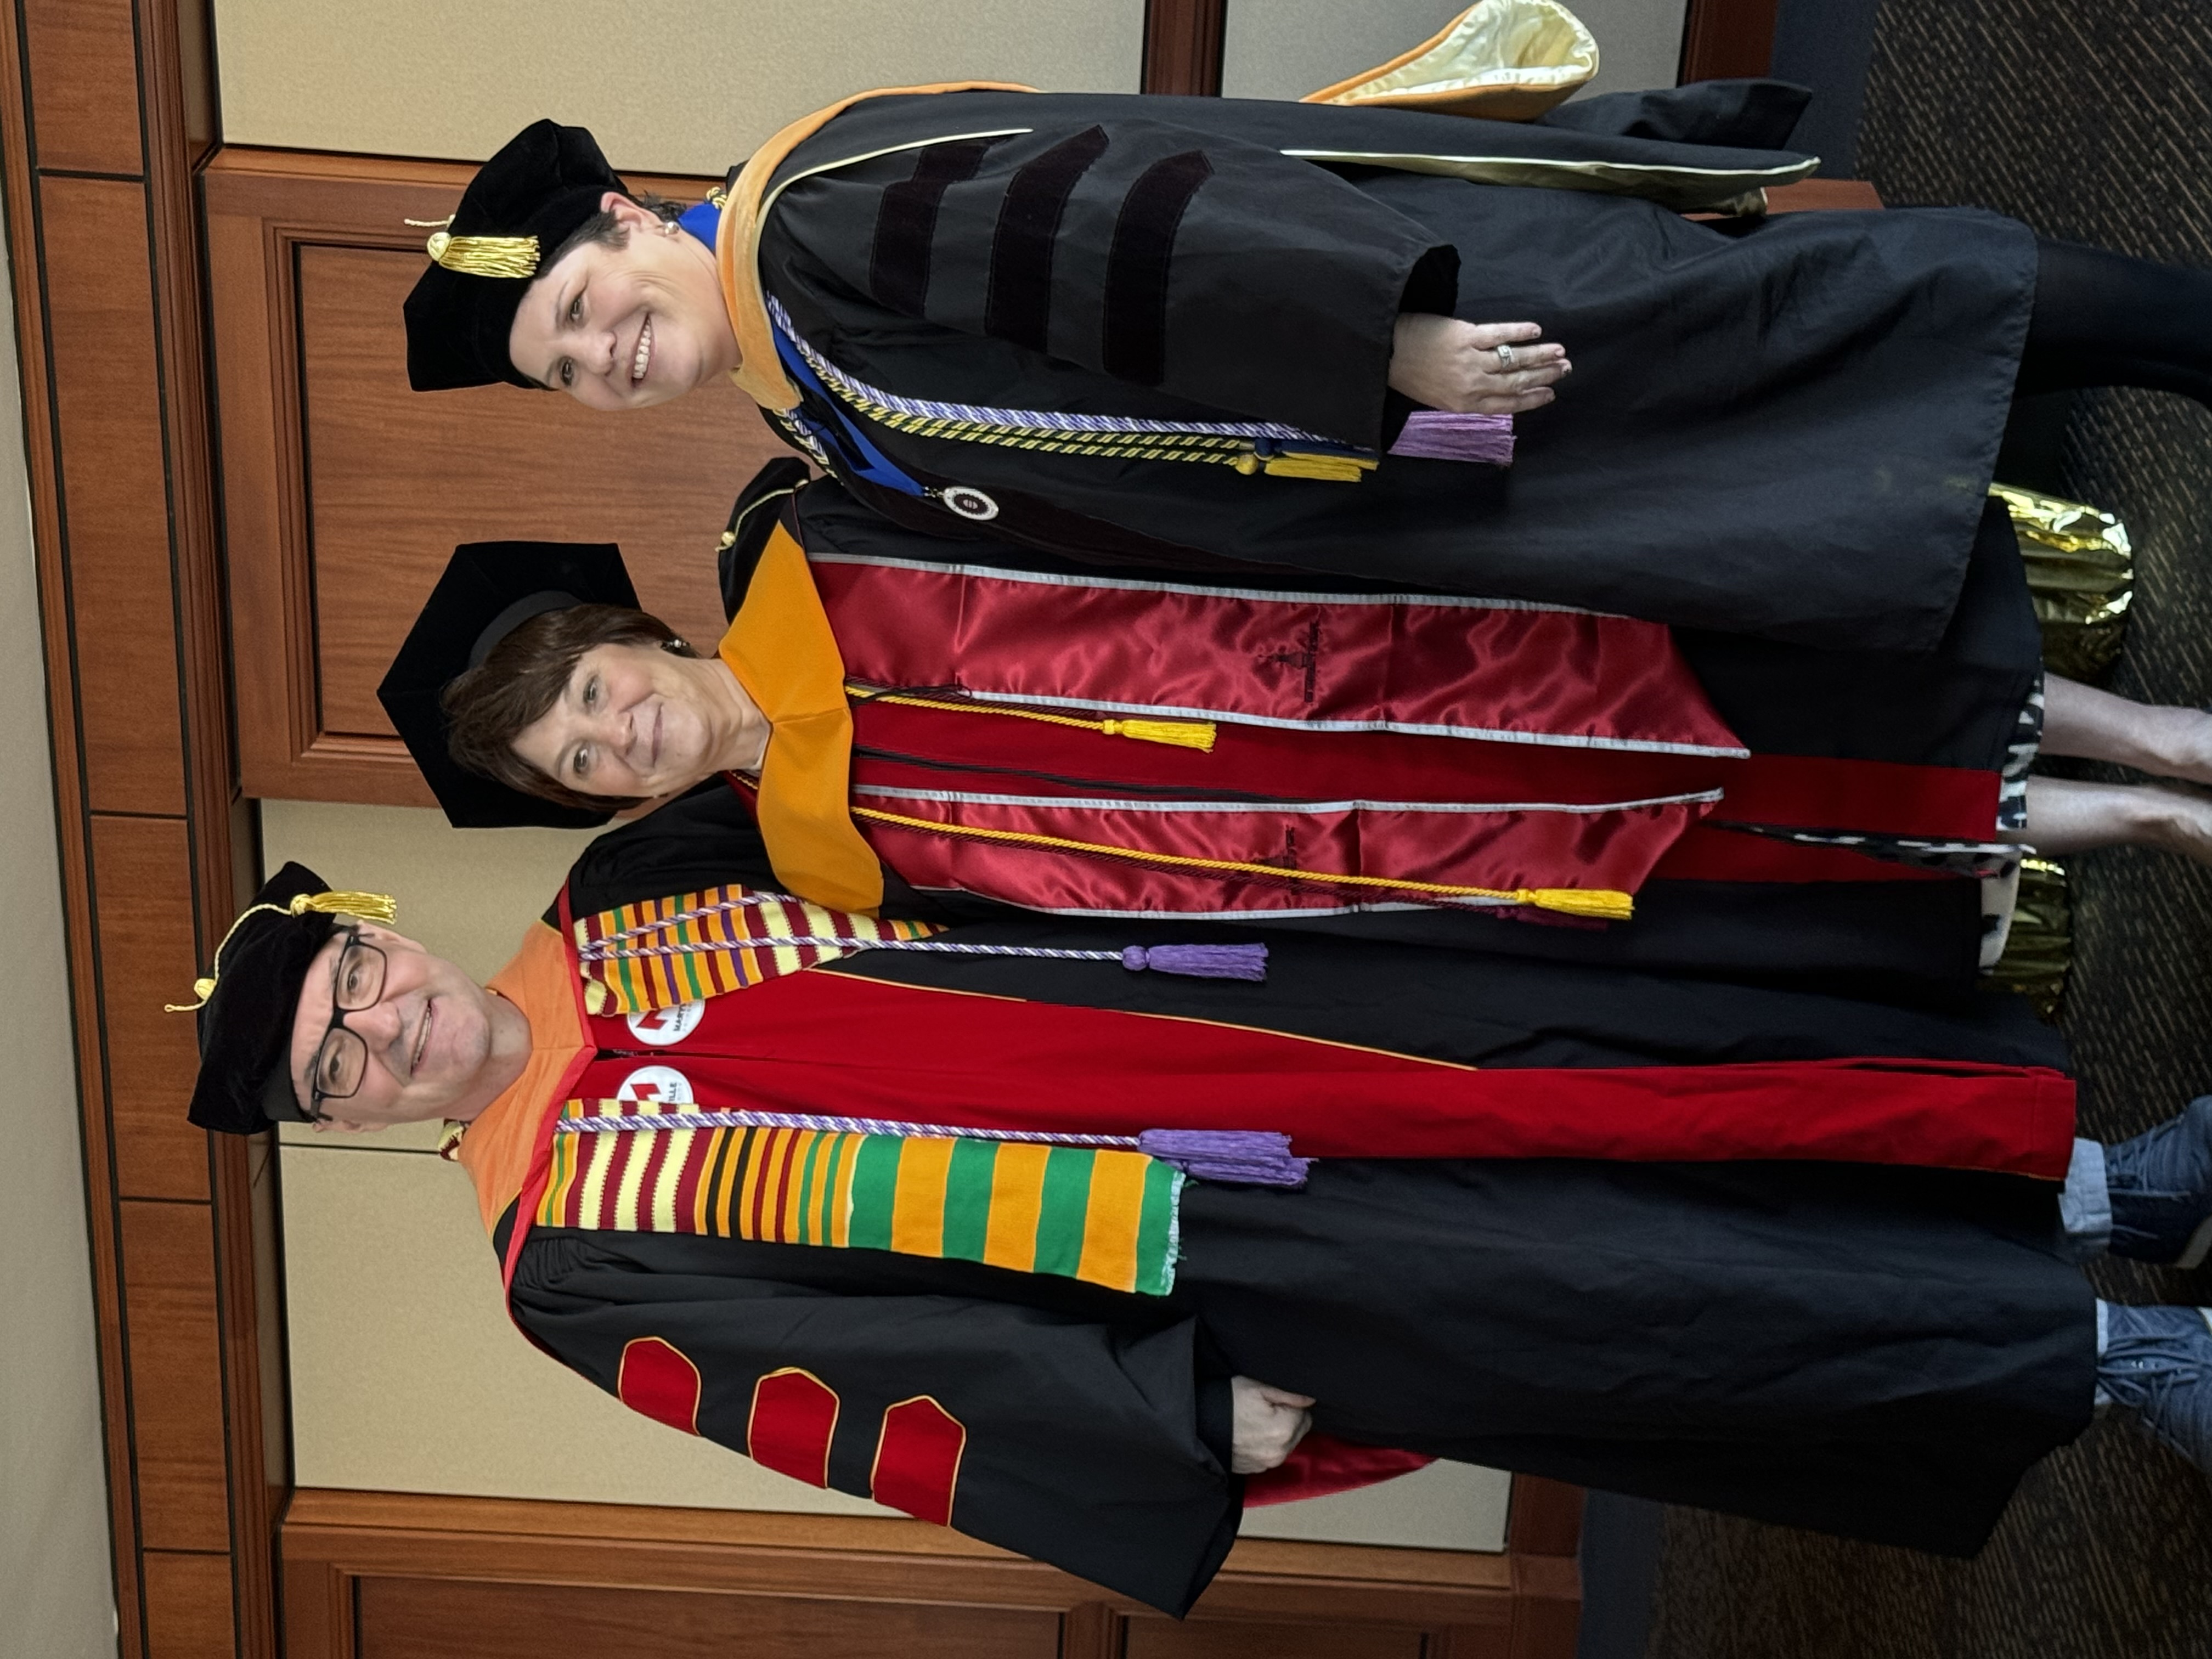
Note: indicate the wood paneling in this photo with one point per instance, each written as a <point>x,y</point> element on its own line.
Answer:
<point>1823,195</point>
<point>84,77</point>
<point>345,493</point>
<point>1182,46</point>
<point>396,478</point>
<point>343,1552</point>
<point>176,1374</point>
<point>1723,40</point>
<point>147,958</point>
<point>428,1618</point>
<point>115,513</point>
<point>1161,1638</point>
<point>188,1612</point>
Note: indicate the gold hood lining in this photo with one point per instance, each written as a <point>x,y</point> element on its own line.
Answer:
<point>1508,60</point>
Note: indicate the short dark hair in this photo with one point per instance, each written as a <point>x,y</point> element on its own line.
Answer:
<point>522,677</point>
<point>606,229</point>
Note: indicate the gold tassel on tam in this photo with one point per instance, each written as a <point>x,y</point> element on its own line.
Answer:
<point>484,256</point>
<point>370,907</point>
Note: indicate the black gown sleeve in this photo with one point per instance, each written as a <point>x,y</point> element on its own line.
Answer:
<point>707,838</point>
<point>1750,114</point>
<point>1222,273</point>
<point>1092,1444</point>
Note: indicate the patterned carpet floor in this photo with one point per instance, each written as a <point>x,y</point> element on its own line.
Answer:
<point>2092,123</point>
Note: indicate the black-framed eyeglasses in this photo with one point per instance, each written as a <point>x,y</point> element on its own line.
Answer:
<point>342,1057</point>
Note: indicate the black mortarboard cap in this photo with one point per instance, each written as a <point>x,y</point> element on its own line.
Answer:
<point>250,994</point>
<point>490,589</point>
<point>543,184</point>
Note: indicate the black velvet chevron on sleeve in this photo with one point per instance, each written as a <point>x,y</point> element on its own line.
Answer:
<point>1235,279</point>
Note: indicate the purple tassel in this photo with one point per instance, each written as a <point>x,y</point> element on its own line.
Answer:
<point>1435,435</point>
<point>1249,1157</point>
<point>1199,961</point>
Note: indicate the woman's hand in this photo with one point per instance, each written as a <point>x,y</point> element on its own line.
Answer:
<point>1441,362</point>
<point>1266,1424</point>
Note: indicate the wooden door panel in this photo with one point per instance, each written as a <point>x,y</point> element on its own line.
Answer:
<point>433,1619</point>
<point>147,959</point>
<point>345,492</point>
<point>82,65</point>
<point>176,1374</point>
<point>397,478</point>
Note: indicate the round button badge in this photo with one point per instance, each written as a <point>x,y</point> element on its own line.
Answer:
<point>662,1027</point>
<point>664,1084</point>
<point>969,502</point>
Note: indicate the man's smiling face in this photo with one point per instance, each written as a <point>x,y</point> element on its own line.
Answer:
<point>437,1044</point>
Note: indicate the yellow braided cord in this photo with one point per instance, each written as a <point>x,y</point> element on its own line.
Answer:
<point>1598,901</point>
<point>1211,448</point>
<point>1181,734</point>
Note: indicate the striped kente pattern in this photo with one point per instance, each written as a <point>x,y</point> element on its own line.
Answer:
<point>1107,1218</point>
<point>665,952</point>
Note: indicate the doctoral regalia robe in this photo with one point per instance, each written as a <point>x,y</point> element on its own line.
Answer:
<point>940,702</point>
<point>1879,1351</point>
<point>965,302</point>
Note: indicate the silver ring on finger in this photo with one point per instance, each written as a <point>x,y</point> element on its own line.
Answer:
<point>1505,357</point>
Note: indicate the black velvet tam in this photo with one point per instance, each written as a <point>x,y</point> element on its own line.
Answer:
<point>545,182</point>
<point>488,590</point>
<point>245,1080</point>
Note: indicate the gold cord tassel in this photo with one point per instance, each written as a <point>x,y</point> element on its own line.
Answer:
<point>1330,468</point>
<point>1600,901</point>
<point>485,256</point>
<point>1605,903</point>
<point>1179,734</point>
<point>370,907</point>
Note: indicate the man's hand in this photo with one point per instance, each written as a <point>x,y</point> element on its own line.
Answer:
<point>1441,362</point>
<point>1266,1425</point>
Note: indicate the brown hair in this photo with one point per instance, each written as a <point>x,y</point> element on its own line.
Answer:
<point>522,677</point>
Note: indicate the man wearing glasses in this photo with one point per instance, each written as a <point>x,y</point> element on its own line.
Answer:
<point>386,1033</point>
<point>1876,1351</point>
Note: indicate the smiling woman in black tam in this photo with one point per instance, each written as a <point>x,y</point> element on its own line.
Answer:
<point>1334,335</point>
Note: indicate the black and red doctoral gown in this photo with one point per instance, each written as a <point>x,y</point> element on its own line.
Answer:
<point>1781,427</point>
<point>938,708</point>
<point>1879,1350</point>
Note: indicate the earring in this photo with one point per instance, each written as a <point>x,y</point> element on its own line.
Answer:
<point>674,645</point>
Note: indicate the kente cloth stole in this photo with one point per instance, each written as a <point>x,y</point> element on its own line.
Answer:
<point>1105,1217</point>
<point>660,952</point>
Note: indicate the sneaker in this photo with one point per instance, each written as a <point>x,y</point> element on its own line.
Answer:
<point>2157,1362</point>
<point>2161,1189</point>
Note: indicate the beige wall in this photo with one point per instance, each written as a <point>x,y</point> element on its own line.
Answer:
<point>1287,48</point>
<point>672,86</point>
<point>56,1596</point>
